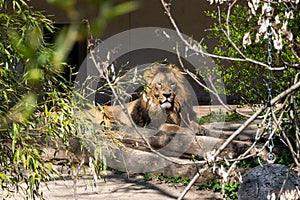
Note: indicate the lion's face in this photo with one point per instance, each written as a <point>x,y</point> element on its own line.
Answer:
<point>163,90</point>
<point>163,95</point>
<point>167,98</point>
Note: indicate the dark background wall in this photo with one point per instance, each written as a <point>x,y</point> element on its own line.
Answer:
<point>189,16</point>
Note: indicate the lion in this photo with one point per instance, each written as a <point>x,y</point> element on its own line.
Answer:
<point>166,99</point>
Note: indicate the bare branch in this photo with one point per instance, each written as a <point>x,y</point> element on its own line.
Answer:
<point>212,91</point>
<point>191,183</point>
<point>190,44</point>
<point>255,115</point>
<point>278,125</point>
<point>121,102</point>
<point>200,50</point>
<point>228,15</point>
<point>243,156</point>
<point>195,78</point>
<point>240,52</point>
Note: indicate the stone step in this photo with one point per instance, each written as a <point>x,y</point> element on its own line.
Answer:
<point>204,110</point>
<point>225,129</point>
<point>244,136</point>
<point>230,126</point>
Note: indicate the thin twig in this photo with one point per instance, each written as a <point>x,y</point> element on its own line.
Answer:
<point>244,58</point>
<point>231,5</point>
<point>191,183</point>
<point>238,131</point>
<point>296,123</point>
<point>257,138</point>
<point>218,96</point>
<point>212,91</point>
<point>254,116</point>
<point>195,78</point>
<point>284,182</point>
<point>125,110</point>
<point>287,140</point>
<point>201,51</point>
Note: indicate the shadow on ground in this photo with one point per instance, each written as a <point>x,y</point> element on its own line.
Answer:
<point>121,187</point>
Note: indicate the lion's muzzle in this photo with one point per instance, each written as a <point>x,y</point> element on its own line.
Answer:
<point>167,100</point>
<point>166,105</point>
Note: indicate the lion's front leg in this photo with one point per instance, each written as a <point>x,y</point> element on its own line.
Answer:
<point>173,118</point>
<point>139,114</point>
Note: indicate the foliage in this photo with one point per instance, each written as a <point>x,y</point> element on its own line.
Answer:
<point>175,179</point>
<point>242,31</point>
<point>36,99</point>
<point>161,177</point>
<point>284,159</point>
<point>219,116</point>
<point>107,11</point>
<point>25,85</point>
<point>250,163</point>
<point>246,79</point>
<point>231,189</point>
<point>148,176</point>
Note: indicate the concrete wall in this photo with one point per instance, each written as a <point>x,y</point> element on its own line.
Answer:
<point>189,15</point>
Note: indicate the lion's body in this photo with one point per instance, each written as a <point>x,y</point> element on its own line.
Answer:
<point>166,99</point>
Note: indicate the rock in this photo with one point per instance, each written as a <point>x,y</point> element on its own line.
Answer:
<point>180,143</point>
<point>225,129</point>
<point>136,157</point>
<point>270,182</point>
<point>189,171</point>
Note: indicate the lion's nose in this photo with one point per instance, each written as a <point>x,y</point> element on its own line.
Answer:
<point>167,94</point>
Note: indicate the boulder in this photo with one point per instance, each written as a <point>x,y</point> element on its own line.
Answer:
<point>270,181</point>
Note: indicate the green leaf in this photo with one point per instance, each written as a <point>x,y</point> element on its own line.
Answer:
<point>123,8</point>
<point>17,156</point>
<point>4,177</point>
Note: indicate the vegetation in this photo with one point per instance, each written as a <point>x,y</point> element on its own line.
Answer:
<point>257,56</point>
<point>249,80</point>
<point>29,97</point>
<point>148,176</point>
<point>220,117</point>
<point>284,158</point>
<point>231,189</point>
<point>165,179</point>
<point>175,179</point>
<point>243,32</point>
<point>36,98</point>
<point>216,186</point>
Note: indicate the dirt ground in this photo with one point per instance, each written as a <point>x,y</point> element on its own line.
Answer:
<point>121,187</point>
<point>115,187</point>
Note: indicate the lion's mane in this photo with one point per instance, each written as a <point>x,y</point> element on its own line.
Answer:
<point>164,80</point>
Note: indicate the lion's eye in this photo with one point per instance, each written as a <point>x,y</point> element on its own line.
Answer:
<point>173,85</point>
<point>159,84</point>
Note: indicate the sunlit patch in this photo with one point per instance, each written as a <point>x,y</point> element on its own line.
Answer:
<point>166,105</point>
<point>145,97</point>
